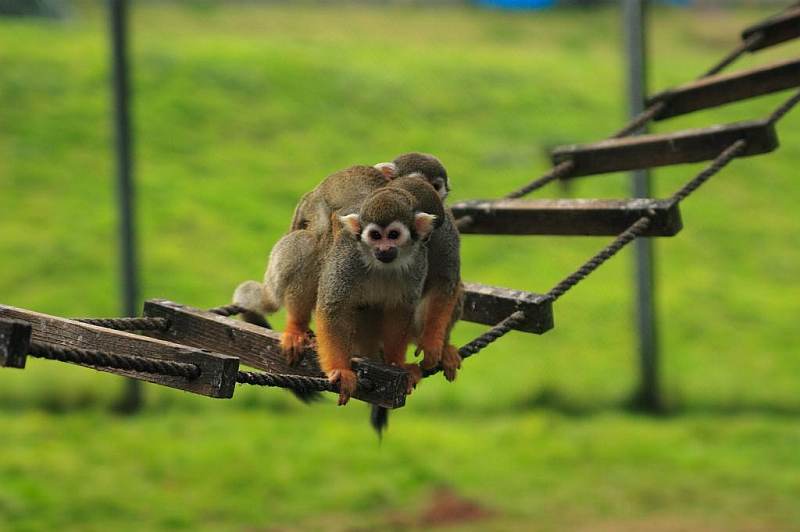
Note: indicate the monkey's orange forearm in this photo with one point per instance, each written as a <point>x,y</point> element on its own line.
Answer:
<point>332,351</point>
<point>436,321</point>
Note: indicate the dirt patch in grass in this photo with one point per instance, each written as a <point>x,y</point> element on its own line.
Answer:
<point>444,507</point>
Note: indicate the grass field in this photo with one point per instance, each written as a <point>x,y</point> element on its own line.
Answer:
<point>240,109</point>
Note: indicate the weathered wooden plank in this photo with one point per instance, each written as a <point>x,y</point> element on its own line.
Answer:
<point>775,30</point>
<point>649,151</point>
<point>218,372</point>
<point>15,339</point>
<point>491,304</point>
<point>582,217</point>
<point>260,348</point>
<point>718,90</point>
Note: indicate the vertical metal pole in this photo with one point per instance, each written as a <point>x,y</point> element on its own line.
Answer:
<point>132,397</point>
<point>648,395</point>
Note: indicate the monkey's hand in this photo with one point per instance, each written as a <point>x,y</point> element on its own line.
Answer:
<point>433,353</point>
<point>347,383</point>
<point>414,376</point>
<point>451,362</point>
<point>293,342</point>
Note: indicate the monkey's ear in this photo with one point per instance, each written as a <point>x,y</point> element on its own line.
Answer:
<point>424,223</point>
<point>389,170</point>
<point>352,223</point>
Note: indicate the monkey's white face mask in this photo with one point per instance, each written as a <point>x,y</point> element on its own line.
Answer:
<point>392,246</point>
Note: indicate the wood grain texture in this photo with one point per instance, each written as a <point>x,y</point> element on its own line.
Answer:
<point>650,151</point>
<point>259,348</point>
<point>491,304</point>
<point>718,90</point>
<point>218,372</point>
<point>15,339</point>
<point>575,217</point>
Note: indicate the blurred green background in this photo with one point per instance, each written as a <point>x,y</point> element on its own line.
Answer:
<point>239,109</point>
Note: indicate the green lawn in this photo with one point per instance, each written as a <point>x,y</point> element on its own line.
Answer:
<point>240,109</point>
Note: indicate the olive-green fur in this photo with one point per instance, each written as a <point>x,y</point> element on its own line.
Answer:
<point>423,163</point>
<point>343,191</point>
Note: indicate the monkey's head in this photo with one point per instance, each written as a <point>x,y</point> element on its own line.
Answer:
<point>416,164</point>
<point>388,229</point>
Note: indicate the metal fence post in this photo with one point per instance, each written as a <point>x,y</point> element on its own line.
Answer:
<point>118,12</point>
<point>648,395</point>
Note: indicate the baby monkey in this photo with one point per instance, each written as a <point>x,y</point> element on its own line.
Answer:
<point>351,187</point>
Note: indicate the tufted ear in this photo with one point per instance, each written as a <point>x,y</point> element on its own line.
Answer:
<point>389,170</point>
<point>352,223</point>
<point>424,223</point>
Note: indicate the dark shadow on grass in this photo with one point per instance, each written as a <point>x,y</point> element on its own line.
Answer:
<point>551,399</point>
<point>88,400</point>
<point>545,399</point>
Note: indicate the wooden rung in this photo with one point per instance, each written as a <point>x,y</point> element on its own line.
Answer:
<point>718,90</point>
<point>490,305</point>
<point>649,151</point>
<point>218,372</point>
<point>260,348</point>
<point>580,217</point>
<point>775,30</point>
<point>15,337</point>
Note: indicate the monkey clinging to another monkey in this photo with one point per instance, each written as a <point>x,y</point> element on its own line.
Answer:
<point>376,254</point>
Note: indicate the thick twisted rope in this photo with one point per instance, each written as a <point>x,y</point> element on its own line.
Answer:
<point>107,360</point>
<point>299,383</point>
<point>722,160</point>
<point>744,47</point>
<point>189,371</point>
<point>560,170</point>
<point>483,341</point>
<point>625,238</point>
<point>129,324</point>
<point>784,108</point>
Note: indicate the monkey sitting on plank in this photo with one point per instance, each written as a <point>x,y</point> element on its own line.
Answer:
<point>442,302</point>
<point>371,283</point>
<point>294,265</point>
<point>295,262</point>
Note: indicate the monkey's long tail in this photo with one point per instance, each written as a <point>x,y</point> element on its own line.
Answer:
<point>255,297</point>
<point>379,419</point>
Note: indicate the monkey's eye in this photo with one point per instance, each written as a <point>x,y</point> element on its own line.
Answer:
<point>375,235</point>
<point>393,235</point>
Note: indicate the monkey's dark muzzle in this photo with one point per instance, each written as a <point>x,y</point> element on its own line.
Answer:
<point>386,255</point>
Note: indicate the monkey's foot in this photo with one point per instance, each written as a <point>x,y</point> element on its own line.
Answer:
<point>451,362</point>
<point>293,343</point>
<point>347,383</point>
<point>414,376</point>
<point>433,355</point>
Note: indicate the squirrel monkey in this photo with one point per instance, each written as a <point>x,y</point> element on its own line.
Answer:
<point>371,283</point>
<point>295,262</point>
<point>442,297</point>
